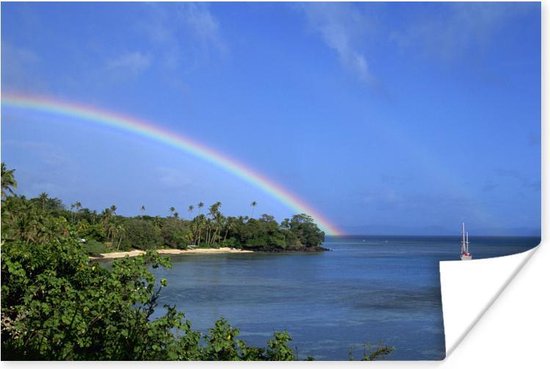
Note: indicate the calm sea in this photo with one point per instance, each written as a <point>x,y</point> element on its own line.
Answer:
<point>366,290</point>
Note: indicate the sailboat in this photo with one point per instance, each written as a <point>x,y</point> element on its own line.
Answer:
<point>464,247</point>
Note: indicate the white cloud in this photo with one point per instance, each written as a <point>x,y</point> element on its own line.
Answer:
<point>352,29</point>
<point>198,18</point>
<point>344,28</point>
<point>456,29</point>
<point>132,62</point>
<point>182,33</point>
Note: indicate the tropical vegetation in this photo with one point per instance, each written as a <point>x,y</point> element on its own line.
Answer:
<point>57,304</point>
<point>106,231</point>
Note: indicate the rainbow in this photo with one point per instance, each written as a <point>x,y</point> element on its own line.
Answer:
<point>176,140</point>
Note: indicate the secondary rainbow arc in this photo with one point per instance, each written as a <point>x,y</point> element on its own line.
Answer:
<point>176,140</point>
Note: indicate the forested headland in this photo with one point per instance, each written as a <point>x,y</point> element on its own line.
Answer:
<point>57,304</point>
<point>107,231</point>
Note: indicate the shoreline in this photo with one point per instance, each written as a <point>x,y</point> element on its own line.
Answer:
<point>132,253</point>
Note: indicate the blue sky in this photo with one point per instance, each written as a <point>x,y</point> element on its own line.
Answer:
<point>388,118</point>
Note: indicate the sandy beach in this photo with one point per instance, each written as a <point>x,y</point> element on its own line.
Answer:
<point>122,254</point>
<point>221,250</point>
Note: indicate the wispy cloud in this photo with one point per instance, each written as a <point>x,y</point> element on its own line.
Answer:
<point>454,29</point>
<point>183,33</point>
<point>131,62</point>
<point>344,28</point>
<point>198,18</point>
<point>354,34</point>
<point>19,68</point>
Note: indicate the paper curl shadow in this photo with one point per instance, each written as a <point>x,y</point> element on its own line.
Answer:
<point>465,287</point>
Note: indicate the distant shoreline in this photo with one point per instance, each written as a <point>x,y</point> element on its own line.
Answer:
<point>123,254</point>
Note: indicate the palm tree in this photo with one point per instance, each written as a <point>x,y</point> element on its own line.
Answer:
<point>43,199</point>
<point>200,220</point>
<point>77,205</point>
<point>172,210</point>
<point>253,204</point>
<point>72,213</point>
<point>142,209</point>
<point>229,226</point>
<point>8,181</point>
<point>106,214</point>
<point>73,206</point>
<point>119,231</point>
<point>111,232</point>
<point>106,220</point>
<point>216,215</point>
<point>190,208</point>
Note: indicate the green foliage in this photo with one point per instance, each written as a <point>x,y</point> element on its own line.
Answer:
<point>49,205</point>
<point>56,305</point>
<point>176,233</point>
<point>303,227</point>
<point>94,248</point>
<point>213,229</point>
<point>378,352</point>
<point>277,347</point>
<point>300,234</point>
<point>223,344</point>
<point>142,234</point>
<point>372,353</point>
<point>23,220</point>
<point>89,231</point>
<point>8,181</point>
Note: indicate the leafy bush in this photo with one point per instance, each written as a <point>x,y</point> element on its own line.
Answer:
<point>56,305</point>
<point>94,248</point>
<point>175,234</point>
<point>141,234</point>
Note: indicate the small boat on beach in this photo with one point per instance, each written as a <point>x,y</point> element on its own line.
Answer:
<point>465,245</point>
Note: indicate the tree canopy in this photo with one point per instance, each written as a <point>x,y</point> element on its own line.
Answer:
<point>108,231</point>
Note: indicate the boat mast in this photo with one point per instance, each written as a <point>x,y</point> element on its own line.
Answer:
<point>463,246</point>
<point>467,244</point>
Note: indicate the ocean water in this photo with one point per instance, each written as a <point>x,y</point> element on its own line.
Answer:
<point>366,290</point>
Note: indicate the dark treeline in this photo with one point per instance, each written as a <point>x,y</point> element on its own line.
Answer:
<point>106,231</point>
<point>57,304</point>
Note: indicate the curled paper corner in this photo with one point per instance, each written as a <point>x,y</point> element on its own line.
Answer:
<point>469,288</point>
